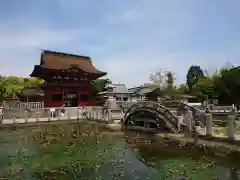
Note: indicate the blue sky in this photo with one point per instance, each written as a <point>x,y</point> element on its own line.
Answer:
<point>129,39</point>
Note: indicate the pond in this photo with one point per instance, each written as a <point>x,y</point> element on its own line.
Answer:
<point>89,151</point>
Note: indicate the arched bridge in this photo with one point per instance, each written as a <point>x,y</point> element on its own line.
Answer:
<point>160,115</point>
<point>180,107</point>
<point>151,115</point>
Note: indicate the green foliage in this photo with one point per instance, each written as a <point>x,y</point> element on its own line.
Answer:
<point>206,86</point>
<point>99,85</point>
<point>183,89</point>
<point>193,75</point>
<point>11,86</point>
<point>55,152</point>
<point>223,85</point>
<point>228,85</point>
<point>170,79</point>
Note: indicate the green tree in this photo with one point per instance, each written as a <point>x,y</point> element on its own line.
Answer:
<point>2,88</point>
<point>228,85</point>
<point>100,85</point>
<point>170,78</point>
<point>205,87</point>
<point>193,75</point>
<point>11,86</point>
<point>183,89</point>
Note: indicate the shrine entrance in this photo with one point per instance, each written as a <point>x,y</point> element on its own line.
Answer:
<point>70,99</point>
<point>68,79</point>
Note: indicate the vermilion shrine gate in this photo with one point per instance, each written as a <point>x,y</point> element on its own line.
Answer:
<point>68,79</point>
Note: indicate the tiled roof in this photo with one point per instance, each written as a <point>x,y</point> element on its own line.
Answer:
<point>120,89</point>
<point>63,61</point>
<point>146,90</point>
<point>135,89</point>
<point>32,91</point>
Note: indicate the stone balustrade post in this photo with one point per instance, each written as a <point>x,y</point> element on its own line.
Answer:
<point>37,118</point>
<point>105,114</point>
<point>48,114</point>
<point>58,113</point>
<point>88,114</point>
<point>68,114</point>
<point>110,119</point>
<point>187,119</point>
<point>14,119</point>
<point>209,124</point>
<point>94,114</point>
<point>100,114</point>
<point>26,116</point>
<point>231,125</point>
<point>97,115</point>
<point>78,114</point>
<point>179,122</point>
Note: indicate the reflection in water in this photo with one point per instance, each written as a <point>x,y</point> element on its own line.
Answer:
<point>65,152</point>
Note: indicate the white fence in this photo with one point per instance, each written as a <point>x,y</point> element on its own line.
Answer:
<point>55,114</point>
<point>24,105</point>
<point>31,105</point>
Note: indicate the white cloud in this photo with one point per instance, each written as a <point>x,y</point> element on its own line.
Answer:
<point>136,69</point>
<point>14,37</point>
<point>128,40</point>
<point>20,46</point>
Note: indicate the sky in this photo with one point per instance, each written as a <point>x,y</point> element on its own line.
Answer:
<point>128,39</point>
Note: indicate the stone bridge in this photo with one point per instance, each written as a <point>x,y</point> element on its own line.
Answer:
<point>151,115</point>
<point>159,115</point>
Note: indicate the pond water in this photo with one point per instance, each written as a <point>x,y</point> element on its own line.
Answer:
<point>88,151</point>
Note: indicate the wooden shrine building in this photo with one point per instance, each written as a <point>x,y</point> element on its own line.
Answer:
<point>68,79</point>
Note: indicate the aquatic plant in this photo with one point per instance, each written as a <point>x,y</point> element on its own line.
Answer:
<point>55,151</point>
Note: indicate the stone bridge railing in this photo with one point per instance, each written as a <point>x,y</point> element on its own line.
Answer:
<point>14,116</point>
<point>171,120</point>
<point>173,105</point>
<point>24,105</point>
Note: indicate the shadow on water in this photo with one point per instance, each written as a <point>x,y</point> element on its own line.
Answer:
<point>87,151</point>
